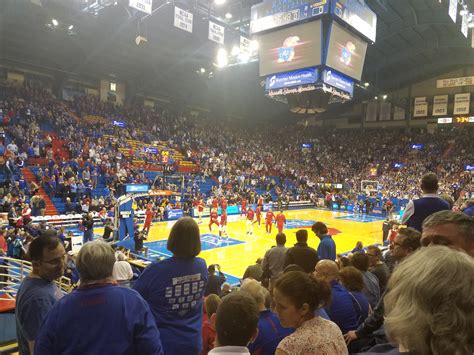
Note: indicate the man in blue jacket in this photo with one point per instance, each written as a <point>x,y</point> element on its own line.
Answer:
<point>327,246</point>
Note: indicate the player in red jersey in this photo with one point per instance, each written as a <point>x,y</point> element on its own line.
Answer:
<point>213,219</point>
<point>215,202</point>
<point>223,224</point>
<point>223,203</point>
<point>243,210</point>
<point>250,220</point>
<point>148,218</point>
<point>200,208</point>
<point>269,217</point>
<point>260,202</point>
<point>258,214</point>
<point>280,221</point>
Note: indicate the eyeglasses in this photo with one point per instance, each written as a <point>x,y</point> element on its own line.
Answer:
<point>56,261</point>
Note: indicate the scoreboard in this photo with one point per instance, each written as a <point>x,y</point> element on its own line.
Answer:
<point>272,14</point>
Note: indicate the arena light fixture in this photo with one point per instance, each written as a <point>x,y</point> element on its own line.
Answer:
<point>235,51</point>
<point>366,84</point>
<point>228,15</point>
<point>384,97</point>
<point>55,22</point>
<point>202,70</point>
<point>219,2</point>
<point>376,97</point>
<point>222,59</point>
<point>70,27</point>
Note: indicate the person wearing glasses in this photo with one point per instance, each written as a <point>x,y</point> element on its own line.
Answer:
<point>38,293</point>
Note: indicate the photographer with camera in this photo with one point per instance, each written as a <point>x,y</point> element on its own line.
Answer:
<point>215,281</point>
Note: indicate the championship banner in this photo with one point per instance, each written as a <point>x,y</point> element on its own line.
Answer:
<point>244,45</point>
<point>385,111</point>
<point>440,105</point>
<point>453,9</point>
<point>398,114</point>
<point>465,25</point>
<point>183,19</point>
<point>421,107</point>
<point>461,103</point>
<point>455,82</point>
<point>141,5</point>
<point>216,32</point>
<point>371,113</point>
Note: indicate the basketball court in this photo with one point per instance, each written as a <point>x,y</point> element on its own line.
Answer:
<point>239,250</point>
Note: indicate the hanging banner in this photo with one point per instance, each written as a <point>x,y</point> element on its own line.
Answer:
<point>465,25</point>
<point>461,103</point>
<point>141,5</point>
<point>453,9</point>
<point>371,113</point>
<point>216,32</point>
<point>244,45</point>
<point>183,19</point>
<point>385,111</point>
<point>421,107</point>
<point>455,82</point>
<point>398,113</point>
<point>440,105</point>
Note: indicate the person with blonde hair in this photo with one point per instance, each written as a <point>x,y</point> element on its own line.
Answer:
<point>208,327</point>
<point>429,308</point>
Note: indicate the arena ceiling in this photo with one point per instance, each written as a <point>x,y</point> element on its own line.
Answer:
<point>416,40</point>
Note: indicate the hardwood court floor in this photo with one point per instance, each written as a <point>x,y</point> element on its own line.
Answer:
<point>243,250</point>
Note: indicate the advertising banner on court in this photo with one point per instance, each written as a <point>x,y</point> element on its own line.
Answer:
<point>421,107</point>
<point>173,214</point>
<point>292,78</point>
<point>461,103</point>
<point>136,188</point>
<point>385,111</point>
<point>371,112</point>
<point>398,113</point>
<point>216,32</point>
<point>440,105</point>
<point>141,5</point>
<point>183,19</point>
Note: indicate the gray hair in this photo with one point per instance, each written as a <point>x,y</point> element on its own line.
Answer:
<point>254,290</point>
<point>429,307</point>
<point>463,221</point>
<point>95,261</point>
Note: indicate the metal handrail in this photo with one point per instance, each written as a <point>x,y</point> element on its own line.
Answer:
<point>12,273</point>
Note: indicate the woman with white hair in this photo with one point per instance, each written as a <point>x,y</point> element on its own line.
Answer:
<point>99,317</point>
<point>122,272</point>
<point>429,305</point>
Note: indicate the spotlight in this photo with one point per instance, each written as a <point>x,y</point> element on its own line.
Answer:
<point>222,59</point>
<point>366,85</point>
<point>55,22</point>
<point>376,97</point>
<point>228,15</point>
<point>384,97</point>
<point>219,2</point>
<point>235,51</point>
<point>202,70</point>
<point>139,39</point>
<point>70,27</point>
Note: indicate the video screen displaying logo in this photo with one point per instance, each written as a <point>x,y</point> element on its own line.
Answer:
<point>289,49</point>
<point>346,52</point>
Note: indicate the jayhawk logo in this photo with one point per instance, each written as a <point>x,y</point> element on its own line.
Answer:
<point>287,52</point>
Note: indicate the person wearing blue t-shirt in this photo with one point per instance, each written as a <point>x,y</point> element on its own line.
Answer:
<point>99,317</point>
<point>327,246</point>
<point>174,289</point>
<point>38,293</point>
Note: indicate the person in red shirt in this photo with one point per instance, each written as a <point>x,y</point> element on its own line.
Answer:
<point>269,217</point>
<point>215,202</point>
<point>243,209</point>
<point>213,219</point>
<point>280,221</point>
<point>200,208</point>
<point>223,203</point>
<point>223,224</point>
<point>260,202</point>
<point>208,326</point>
<point>148,218</point>
<point>249,223</point>
<point>258,214</point>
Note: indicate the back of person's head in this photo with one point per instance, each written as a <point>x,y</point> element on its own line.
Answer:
<point>343,261</point>
<point>255,290</point>
<point>412,238</point>
<point>281,239</point>
<point>429,183</point>
<point>40,244</point>
<point>301,288</point>
<point>184,239</point>
<point>292,267</point>
<point>429,306</point>
<point>463,222</point>
<point>327,270</point>
<point>211,303</point>
<point>95,261</point>
<point>302,236</point>
<point>351,278</point>
<point>211,269</point>
<point>236,320</point>
<point>120,256</point>
<point>319,228</point>
<point>360,261</point>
